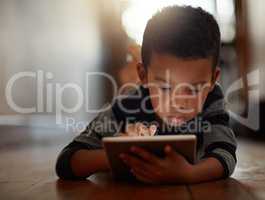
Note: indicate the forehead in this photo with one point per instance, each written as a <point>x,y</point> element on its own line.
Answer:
<point>180,70</point>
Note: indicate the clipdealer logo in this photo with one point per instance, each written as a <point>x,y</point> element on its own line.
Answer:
<point>48,89</point>
<point>252,118</point>
<point>45,87</point>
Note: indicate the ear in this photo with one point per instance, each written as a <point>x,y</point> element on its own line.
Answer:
<point>142,73</point>
<point>216,76</point>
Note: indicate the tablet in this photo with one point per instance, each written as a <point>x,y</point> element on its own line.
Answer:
<point>114,146</point>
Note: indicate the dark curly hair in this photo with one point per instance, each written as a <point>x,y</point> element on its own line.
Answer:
<point>182,31</point>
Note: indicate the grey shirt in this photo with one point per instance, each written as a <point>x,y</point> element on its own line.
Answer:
<point>214,136</point>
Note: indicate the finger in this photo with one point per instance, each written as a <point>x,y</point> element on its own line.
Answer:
<point>142,177</point>
<point>137,129</point>
<point>150,172</point>
<point>145,155</point>
<point>142,129</point>
<point>152,130</point>
<point>142,172</point>
<point>149,167</point>
<point>131,130</point>
<point>132,161</point>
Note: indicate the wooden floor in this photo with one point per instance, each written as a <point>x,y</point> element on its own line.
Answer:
<point>27,158</point>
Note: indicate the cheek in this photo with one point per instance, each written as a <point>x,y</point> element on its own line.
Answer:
<point>200,101</point>
<point>195,104</point>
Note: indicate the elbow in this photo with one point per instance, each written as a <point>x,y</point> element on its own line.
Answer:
<point>227,161</point>
<point>63,167</point>
<point>226,155</point>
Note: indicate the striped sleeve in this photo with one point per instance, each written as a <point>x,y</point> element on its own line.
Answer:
<point>220,141</point>
<point>102,125</point>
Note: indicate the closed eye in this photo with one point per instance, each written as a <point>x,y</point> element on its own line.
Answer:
<point>193,90</point>
<point>165,88</point>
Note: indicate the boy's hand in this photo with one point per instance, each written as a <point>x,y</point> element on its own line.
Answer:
<point>174,168</point>
<point>139,129</point>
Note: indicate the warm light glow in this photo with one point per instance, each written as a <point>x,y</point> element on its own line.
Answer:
<point>139,12</point>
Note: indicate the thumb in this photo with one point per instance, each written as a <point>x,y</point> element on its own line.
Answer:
<point>170,153</point>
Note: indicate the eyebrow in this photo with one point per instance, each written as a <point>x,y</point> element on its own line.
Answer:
<point>160,79</point>
<point>199,82</point>
<point>195,83</point>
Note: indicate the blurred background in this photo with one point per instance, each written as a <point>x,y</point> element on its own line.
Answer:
<point>65,39</point>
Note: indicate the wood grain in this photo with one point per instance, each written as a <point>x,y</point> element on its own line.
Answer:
<point>27,172</point>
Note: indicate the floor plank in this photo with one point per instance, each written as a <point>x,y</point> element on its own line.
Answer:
<point>27,172</point>
<point>223,189</point>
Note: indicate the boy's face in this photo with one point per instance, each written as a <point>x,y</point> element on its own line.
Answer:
<point>178,87</point>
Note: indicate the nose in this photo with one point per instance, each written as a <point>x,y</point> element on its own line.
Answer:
<point>179,104</point>
<point>179,100</point>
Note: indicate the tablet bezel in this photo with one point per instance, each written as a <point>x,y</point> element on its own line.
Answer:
<point>113,146</point>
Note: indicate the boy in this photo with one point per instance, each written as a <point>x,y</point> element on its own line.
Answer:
<point>180,53</point>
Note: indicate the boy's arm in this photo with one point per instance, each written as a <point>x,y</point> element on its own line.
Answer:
<point>219,158</point>
<point>219,142</point>
<point>84,155</point>
<point>217,151</point>
<point>174,168</point>
<point>78,161</point>
<point>86,162</point>
<point>206,170</point>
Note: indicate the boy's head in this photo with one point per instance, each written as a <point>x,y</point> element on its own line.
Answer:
<point>180,54</point>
